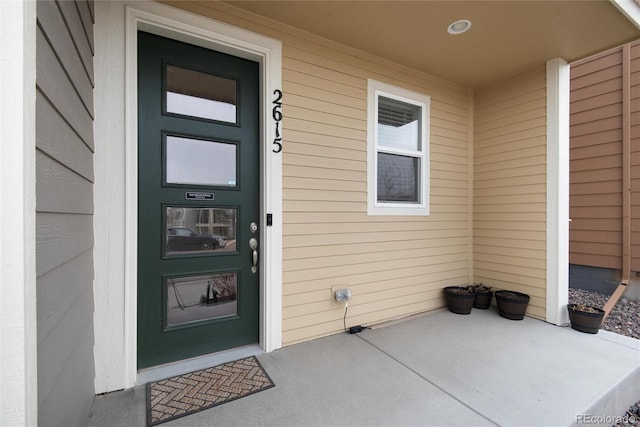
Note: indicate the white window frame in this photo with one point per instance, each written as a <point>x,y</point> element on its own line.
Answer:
<point>375,89</point>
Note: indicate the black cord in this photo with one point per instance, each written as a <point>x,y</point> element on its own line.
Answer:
<point>353,329</point>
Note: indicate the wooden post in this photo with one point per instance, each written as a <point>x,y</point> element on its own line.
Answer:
<point>613,300</point>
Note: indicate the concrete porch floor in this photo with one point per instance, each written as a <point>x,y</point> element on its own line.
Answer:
<point>433,370</point>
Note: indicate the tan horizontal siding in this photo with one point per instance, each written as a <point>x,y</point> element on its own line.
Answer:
<point>595,126</point>
<point>606,87</point>
<point>611,97</point>
<point>600,74</point>
<point>394,266</point>
<point>595,113</point>
<point>589,200</point>
<point>605,161</point>
<point>509,203</point>
<point>599,61</point>
<point>592,140</point>
<point>387,264</point>
<point>596,161</point>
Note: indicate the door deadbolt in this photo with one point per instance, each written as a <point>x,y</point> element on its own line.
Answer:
<point>253,227</point>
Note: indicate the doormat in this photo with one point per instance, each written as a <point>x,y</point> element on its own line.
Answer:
<point>186,394</point>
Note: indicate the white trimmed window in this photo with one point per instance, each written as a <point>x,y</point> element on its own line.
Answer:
<point>398,150</point>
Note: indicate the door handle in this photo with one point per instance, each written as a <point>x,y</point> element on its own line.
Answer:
<point>253,245</point>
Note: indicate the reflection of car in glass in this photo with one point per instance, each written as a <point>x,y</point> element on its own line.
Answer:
<point>185,239</point>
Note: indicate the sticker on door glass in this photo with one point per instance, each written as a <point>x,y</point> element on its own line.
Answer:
<point>192,161</point>
<point>200,230</point>
<point>202,297</point>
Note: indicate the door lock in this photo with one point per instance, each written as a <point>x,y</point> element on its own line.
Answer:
<point>253,227</point>
<point>253,245</point>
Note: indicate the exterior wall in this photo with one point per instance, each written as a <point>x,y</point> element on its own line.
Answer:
<point>595,237</point>
<point>635,158</point>
<point>509,208</point>
<point>600,159</point>
<point>394,266</point>
<point>64,221</point>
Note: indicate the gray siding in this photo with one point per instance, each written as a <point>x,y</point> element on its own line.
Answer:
<point>64,211</point>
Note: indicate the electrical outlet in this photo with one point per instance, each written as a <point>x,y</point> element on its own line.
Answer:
<point>343,295</point>
<point>334,288</point>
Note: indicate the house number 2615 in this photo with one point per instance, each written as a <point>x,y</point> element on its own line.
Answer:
<point>277,116</point>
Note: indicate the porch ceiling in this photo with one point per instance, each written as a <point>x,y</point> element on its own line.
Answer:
<point>506,37</point>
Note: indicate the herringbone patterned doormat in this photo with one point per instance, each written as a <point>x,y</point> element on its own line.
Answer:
<point>186,394</point>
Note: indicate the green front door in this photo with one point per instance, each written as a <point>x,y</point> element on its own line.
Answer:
<point>198,201</point>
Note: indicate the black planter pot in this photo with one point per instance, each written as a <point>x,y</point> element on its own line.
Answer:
<point>459,299</point>
<point>585,321</point>
<point>512,305</point>
<point>483,299</point>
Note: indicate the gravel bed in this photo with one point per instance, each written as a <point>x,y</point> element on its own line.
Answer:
<point>630,419</point>
<point>624,319</point>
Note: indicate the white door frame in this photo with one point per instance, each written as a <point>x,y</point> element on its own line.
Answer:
<point>18,306</point>
<point>180,25</point>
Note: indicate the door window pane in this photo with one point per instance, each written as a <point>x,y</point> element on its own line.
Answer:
<point>202,297</point>
<point>200,162</point>
<point>200,230</point>
<point>398,178</point>
<point>198,94</point>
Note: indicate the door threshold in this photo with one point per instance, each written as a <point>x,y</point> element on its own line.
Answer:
<point>161,372</point>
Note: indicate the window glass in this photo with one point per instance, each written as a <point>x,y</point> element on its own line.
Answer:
<point>200,162</point>
<point>203,297</point>
<point>398,124</point>
<point>198,94</point>
<point>200,230</point>
<point>398,178</point>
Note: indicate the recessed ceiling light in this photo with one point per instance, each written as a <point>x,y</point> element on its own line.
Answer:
<point>459,26</point>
